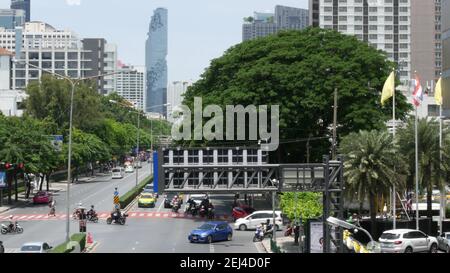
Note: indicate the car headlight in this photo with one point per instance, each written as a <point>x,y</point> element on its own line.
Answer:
<point>204,235</point>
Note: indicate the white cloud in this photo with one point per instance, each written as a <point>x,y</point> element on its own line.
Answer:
<point>73,2</point>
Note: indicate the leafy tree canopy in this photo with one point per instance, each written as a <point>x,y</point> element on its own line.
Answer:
<point>299,70</point>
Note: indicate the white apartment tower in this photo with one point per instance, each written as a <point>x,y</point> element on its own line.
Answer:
<point>384,24</point>
<point>130,84</point>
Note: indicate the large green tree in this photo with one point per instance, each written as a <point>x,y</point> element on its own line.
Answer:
<point>49,99</point>
<point>373,166</point>
<point>299,70</point>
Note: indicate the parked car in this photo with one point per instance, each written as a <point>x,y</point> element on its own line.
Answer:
<point>407,241</point>
<point>137,164</point>
<point>257,218</point>
<point>35,248</point>
<point>42,197</point>
<point>241,212</point>
<point>118,173</point>
<point>129,169</point>
<point>210,232</point>
<point>146,200</point>
<point>444,242</point>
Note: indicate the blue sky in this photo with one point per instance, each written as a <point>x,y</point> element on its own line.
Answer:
<point>199,30</point>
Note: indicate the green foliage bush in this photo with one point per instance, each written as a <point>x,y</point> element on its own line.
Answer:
<point>78,237</point>
<point>128,197</point>
<point>308,205</point>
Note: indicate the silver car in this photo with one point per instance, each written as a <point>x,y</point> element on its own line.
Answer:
<point>407,241</point>
<point>35,248</point>
<point>444,242</point>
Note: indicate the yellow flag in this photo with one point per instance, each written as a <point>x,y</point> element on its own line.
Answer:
<point>389,88</point>
<point>438,92</point>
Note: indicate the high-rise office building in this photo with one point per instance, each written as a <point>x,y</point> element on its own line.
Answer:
<point>264,24</point>
<point>386,25</point>
<point>24,5</point>
<point>40,44</point>
<point>445,15</point>
<point>130,84</point>
<point>156,63</point>
<point>110,68</point>
<point>175,93</point>
<point>11,18</point>
<point>426,49</point>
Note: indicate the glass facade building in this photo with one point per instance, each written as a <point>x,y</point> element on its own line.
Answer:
<point>24,5</point>
<point>11,18</point>
<point>156,63</point>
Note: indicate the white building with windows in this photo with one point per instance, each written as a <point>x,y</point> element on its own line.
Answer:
<point>130,84</point>
<point>110,68</point>
<point>384,24</point>
<point>9,99</point>
<point>40,44</point>
<point>175,92</point>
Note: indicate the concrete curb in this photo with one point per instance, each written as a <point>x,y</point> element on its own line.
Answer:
<point>264,246</point>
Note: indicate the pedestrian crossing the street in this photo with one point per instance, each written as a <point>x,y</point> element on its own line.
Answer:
<point>104,215</point>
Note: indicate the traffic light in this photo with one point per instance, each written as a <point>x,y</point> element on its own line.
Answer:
<point>6,166</point>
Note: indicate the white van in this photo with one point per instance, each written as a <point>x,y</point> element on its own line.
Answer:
<point>257,218</point>
<point>118,173</point>
<point>129,169</point>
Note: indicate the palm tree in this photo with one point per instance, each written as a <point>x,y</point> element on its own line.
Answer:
<point>372,166</point>
<point>430,167</point>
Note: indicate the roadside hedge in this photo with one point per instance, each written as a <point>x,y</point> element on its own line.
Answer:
<point>128,197</point>
<point>78,237</point>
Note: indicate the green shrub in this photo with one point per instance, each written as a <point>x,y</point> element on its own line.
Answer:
<point>78,237</point>
<point>128,197</point>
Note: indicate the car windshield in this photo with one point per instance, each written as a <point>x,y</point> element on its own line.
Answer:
<point>389,236</point>
<point>40,194</point>
<point>116,171</point>
<point>206,227</point>
<point>448,236</point>
<point>146,196</point>
<point>239,209</point>
<point>31,248</point>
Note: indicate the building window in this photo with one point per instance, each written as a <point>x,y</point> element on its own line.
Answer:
<point>222,156</point>
<point>403,27</point>
<point>208,156</point>
<point>373,9</point>
<point>388,18</point>
<point>373,18</point>
<point>403,45</point>
<point>358,9</point>
<point>342,18</point>
<point>342,9</point>
<point>193,157</point>
<point>373,36</point>
<point>388,9</point>
<point>238,156</point>
<point>388,36</point>
<point>358,18</point>
<point>342,27</point>
<point>328,18</point>
<point>403,18</point>
<point>404,36</point>
<point>373,27</point>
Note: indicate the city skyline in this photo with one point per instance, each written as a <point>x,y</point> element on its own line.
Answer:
<point>215,27</point>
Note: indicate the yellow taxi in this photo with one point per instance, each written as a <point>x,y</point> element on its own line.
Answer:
<point>146,200</point>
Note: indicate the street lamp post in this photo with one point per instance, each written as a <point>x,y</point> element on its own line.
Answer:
<point>73,83</point>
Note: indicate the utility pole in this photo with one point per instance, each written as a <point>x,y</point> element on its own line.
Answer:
<point>307,149</point>
<point>335,109</point>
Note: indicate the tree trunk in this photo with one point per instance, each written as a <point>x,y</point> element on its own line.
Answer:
<point>41,181</point>
<point>9,179</point>
<point>429,200</point>
<point>16,193</point>
<point>373,215</point>
<point>47,177</point>
<point>27,180</point>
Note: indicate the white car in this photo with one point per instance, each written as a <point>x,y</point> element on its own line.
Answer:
<point>198,198</point>
<point>407,241</point>
<point>35,248</point>
<point>129,169</point>
<point>444,242</point>
<point>118,173</point>
<point>257,218</point>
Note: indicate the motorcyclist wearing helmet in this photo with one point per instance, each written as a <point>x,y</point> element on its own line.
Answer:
<point>116,214</point>
<point>12,223</point>
<point>91,212</point>
<point>268,227</point>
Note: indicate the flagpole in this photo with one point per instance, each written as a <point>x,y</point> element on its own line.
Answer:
<point>417,171</point>
<point>443,192</point>
<point>394,200</point>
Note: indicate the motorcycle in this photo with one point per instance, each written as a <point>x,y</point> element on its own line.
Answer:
<point>114,218</point>
<point>261,234</point>
<point>210,213</point>
<point>192,209</point>
<point>92,217</point>
<point>176,207</point>
<point>202,211</point>
<point>7,229</point>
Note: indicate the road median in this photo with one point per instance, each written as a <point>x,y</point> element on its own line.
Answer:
<point>129,198</point>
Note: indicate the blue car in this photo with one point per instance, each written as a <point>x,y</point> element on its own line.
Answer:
<point>210,232</point>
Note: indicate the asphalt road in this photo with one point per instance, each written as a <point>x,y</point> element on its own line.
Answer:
<point>98,192</point>
<point>169,235</point>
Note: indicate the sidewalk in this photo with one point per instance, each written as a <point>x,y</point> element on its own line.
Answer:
<point>286,245</point>
<point>54,187</point>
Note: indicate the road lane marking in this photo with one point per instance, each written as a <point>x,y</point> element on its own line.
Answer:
<point>160,206</point>
<point>39,216</point>
<point>142,215</point>
<point>158,214</point>
<point>166,215</point>
<point>133,214</point>
<point>211,248</point>
<point>149,214</point>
